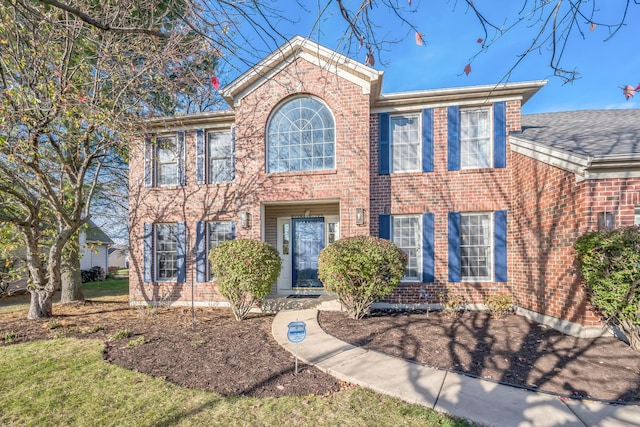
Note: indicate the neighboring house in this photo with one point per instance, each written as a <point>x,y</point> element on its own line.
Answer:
<point>312,151</point>
<point>94,246</point>
<point>119,256</point>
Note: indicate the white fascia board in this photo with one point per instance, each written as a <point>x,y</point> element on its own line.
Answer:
<point>405,106</point>
<point>551,156</point>
<point>345,67</point>
<point>215,119</point>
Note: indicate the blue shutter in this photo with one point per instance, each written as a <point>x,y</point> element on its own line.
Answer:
<point>499,135</point>
<point>427,140</point>
<point>181,157</point>
<point>384,229</point>
<point>233,229</point>
<point>148,161</point>
<point>428,249</point>
<point>384,149</point>
<point>200,160</point>
<point>454,246</point>
<point>233,153</point>
<point>201,252</point>
<point>148,252</point>
<point>453,135</point>
<point>181,251</point>
<point>500,245</point>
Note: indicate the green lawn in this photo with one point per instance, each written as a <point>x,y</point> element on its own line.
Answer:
<point>66,382</point>
<point>112,288</point>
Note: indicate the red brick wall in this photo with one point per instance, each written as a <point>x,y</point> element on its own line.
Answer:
<point>348,184</point>
<point>441,192</point>
<point>552,210</point>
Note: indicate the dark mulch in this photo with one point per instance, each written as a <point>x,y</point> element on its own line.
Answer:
<point>241,358</point>
<point>514,351</point>
<point>219,354</point>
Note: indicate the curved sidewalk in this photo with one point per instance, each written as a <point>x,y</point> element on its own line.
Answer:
<point>479,401</point>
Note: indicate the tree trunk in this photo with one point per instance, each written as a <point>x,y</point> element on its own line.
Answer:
<point>71,280</point>
<point>40,307</point>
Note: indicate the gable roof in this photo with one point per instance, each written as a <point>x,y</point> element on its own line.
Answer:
<point>93,233</point>
<point>591,143</point>
<point>369,79</point>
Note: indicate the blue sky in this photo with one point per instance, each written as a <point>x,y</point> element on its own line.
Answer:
<point>451,32</point>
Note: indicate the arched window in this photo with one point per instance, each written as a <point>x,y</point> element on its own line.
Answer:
<point>301,137</point>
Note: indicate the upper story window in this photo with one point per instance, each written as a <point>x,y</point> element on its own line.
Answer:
<point>164,160</point>
<point>301,137</point>
<point>405,144</point>
<point>220,157</point>
<point>475,138</point>
<point>167,156</point>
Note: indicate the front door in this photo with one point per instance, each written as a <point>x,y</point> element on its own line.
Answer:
<point>308,240</point>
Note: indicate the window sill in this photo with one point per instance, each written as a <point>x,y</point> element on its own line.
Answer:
<point>301,173</point>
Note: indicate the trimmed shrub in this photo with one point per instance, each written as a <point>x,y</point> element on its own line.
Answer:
<point>609,261</point>
<point>360,270</point>
<point>499,305</point>
<point>244,271</point>
<point>453,303</point>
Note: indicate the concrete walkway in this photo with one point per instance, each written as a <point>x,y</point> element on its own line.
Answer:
<point>479,401</point>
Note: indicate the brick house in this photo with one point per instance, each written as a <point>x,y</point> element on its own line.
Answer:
<point>311,151</point>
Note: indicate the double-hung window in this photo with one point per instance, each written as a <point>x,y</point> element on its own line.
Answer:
<point>476,246</point>
<point>166,252</point>
<point>414,234</point>
<point>475,138</point>
<point>220,157</point>
<point>217,232</point>
<point>406,234</point>
<point>167,156</point>
<point>405,144</point>
<point>164,160</point>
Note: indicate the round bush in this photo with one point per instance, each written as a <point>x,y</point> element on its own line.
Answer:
<point>609,261</point>
<point>244,271</point>
<point>361,270</point>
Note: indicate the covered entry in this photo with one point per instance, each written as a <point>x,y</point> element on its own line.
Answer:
<point>300,232</point>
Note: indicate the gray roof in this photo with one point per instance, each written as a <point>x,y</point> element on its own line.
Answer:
<point>586,132</point>
<point>95,234</point>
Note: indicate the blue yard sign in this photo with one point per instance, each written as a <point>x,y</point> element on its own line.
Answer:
<point>297,332</point>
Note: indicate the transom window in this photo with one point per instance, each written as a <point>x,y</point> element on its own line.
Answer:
<point>220,153</point>
<point>476,231</point>
<point>166,246</point>
<point>301,137</point>
<point>475,138</point>
<point>405,144</point>
<point>166,161</point>
<point>406,234</point>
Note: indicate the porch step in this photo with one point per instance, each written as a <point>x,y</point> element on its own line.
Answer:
<point>300,302</point>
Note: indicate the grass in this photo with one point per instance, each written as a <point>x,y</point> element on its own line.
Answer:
<point>107,289</point>
<point>66,382</point>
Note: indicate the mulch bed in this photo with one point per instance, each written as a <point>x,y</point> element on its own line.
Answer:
<point>514,351</point>
<point>242,358</point>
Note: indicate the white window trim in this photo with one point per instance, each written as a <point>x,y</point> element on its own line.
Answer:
<point>207,231</point>
<point>491,136</point>
<point>406,279</point>
<point>491,263</point>
<point>155,252</point>
<point>156,162</point>
<point>208,158</point>
<point>418,117</point>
